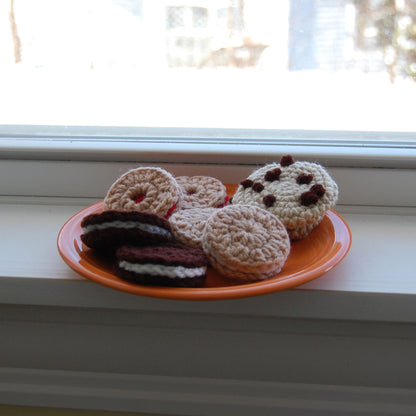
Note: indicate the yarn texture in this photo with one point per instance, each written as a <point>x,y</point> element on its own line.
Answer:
<point>298,193</point>
<point>108,230</point>
<point>202,191</point>
<point>245,242</point>
<point>145,189</point>
<point>167,265</point>
<point>188,225</point>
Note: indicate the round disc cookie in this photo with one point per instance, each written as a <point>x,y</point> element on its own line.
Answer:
<point>245,242</point>
<point>145,189</point>
<point>187,225</point>
<point>298,193</point>
<point>202,191</point>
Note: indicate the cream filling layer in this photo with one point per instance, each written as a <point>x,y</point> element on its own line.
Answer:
<point>172,272</point>
<point>150,228</point>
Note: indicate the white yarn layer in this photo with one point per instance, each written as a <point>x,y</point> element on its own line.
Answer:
<point>160,270</point>
<point>154,229</point>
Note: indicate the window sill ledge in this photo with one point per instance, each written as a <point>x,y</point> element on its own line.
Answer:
<point>376,281</point>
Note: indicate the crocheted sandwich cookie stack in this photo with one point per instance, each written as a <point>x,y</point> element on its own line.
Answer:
<point>187,225</point>
<point>163,265</point>
<point>246,243</point>
<point>298,193</point>
<point>108,230</point>
<point>202,191</point>
<point>145,189</point>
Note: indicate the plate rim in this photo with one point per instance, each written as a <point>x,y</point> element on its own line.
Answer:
<point>341,230</point>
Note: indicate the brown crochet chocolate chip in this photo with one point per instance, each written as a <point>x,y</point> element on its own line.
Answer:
<point>309,198</point>
<point>272,175</point>
<point>247,183</point>
<point>269,200</point>
<point>318,190</point>
<point>257,187</point>
<point>304,179</point>
<point>287,160</point>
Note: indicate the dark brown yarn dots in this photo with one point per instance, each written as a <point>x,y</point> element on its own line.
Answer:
<point>247,183</point>
<point>287,160</point>
<point>269,200</point>
<point>312,196</point>
<point>257,187</point>
<point>304,179</point>
<point>272,175</point>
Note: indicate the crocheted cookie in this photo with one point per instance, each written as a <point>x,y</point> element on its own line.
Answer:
<point>202,191</point>
<point>187,225</point>
<point>166,265</point>
<point>298,193</point>
<point>109,230</point>
<point>245,242</point>
<point>145,189</point>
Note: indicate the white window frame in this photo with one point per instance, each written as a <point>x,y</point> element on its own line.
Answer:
<point>40,160</point>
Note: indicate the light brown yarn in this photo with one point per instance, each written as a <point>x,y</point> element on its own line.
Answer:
<point>145,189</point>
<point>282,194</point>
<point>201,191</point>
<point>187,225</point>
<point>245,242</point>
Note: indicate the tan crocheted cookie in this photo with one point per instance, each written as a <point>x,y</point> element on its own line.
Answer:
<point>202,191</point>
<point>145,189</point>
<point>187,225</point>
<point>298,193</point>
<point>245,242</point>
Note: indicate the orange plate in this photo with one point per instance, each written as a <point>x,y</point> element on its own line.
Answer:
<point>309,258</point>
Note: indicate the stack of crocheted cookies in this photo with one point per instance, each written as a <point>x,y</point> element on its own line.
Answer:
<point>166,231</point>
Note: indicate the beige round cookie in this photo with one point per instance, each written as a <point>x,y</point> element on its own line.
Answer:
<point>145,189</point>
<point>187,225</point>
<point>202,191</point>
<point>245,242</point>
<point>298,193</point>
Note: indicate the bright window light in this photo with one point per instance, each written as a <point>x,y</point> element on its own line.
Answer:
<point>258,64</point>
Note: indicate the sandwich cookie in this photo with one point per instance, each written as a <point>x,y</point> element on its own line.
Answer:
<point>245,242</point>
<point>164,265</point>
<point>202,191</point>
<point>187,225</point>
<point>109,230</point>
<point>145,189</point>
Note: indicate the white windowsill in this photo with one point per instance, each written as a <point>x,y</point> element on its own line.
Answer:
<point>379,266</point>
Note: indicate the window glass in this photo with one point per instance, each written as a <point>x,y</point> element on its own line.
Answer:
<point>259,64</point>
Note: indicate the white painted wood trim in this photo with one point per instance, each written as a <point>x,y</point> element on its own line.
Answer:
<point>190,396</point>
<point>77,179</point>
<point>218,146</point>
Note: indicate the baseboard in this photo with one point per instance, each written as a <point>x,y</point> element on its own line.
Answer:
<point>191,396</point>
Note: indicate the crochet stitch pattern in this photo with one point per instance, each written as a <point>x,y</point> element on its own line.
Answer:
<point>245,242</point>
<point>188,225</point>
<point>298,193</point>
<point>145,189</point>
<point>202,191</point>
<point>167,265</point>
<point>108,230</point>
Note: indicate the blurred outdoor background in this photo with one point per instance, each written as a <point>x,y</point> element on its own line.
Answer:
<point>268,64</point>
